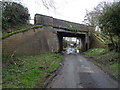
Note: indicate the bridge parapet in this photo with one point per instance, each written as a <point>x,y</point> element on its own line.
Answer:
<point>57,23</point>
<point>43,20</point>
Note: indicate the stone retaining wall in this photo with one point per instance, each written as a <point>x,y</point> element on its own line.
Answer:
<point>31,42</point>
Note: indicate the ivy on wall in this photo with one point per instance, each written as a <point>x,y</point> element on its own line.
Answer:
<point>102,38</point>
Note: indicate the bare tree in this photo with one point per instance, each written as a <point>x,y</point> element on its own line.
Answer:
<point>91,17</point>
<point>49,4</point>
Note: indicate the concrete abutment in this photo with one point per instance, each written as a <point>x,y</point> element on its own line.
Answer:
<point>48,38</point>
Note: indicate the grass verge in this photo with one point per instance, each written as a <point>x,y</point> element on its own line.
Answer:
<point>29,71</point>
<point>95,51</point>
<point>108,60</point>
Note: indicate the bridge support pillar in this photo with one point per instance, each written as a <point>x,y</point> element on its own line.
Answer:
<point>87,41</point>
<point>83,44</point>
<point>60,38</point>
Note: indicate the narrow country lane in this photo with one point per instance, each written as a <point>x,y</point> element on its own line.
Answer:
<point>79,72</point>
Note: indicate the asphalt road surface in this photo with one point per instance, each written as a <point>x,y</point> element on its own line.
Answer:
<point>79,72</point>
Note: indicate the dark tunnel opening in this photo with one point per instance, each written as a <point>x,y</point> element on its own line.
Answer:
<point>80,36</point>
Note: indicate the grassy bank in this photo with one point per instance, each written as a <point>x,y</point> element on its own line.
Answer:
<point>29,71</point>
<point>108,60</point>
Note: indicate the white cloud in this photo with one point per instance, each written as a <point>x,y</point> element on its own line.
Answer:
<point>71,10</point>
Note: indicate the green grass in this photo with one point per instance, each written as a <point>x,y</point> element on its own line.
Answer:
<point>115,69</point>
<point>29,71</point>
<point>106,59</point>
<point>115,65</point>
<point>109,57</point>
<point>95,51</point>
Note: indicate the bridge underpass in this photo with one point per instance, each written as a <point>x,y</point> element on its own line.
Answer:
<point>47,38</point>
<point>66,29</point>
<point>81,36</point>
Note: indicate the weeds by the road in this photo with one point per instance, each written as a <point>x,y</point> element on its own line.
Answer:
<point>96,51</point>
<point>29,71</point>
<point>106,59</point>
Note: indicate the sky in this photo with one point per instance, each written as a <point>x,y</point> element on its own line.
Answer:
<point>70,10</point>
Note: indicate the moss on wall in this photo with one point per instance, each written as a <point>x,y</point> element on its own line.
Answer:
<point>22,30</point>
<point>31,42</point>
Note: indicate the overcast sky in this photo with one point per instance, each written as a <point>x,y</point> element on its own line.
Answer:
<point>70,10</point>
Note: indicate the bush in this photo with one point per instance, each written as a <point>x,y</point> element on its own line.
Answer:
<point>13,14</point>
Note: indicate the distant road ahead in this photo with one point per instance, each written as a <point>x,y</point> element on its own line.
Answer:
<point>79,72</point>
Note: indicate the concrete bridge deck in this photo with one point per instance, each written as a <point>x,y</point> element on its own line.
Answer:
<point>61,24</point>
